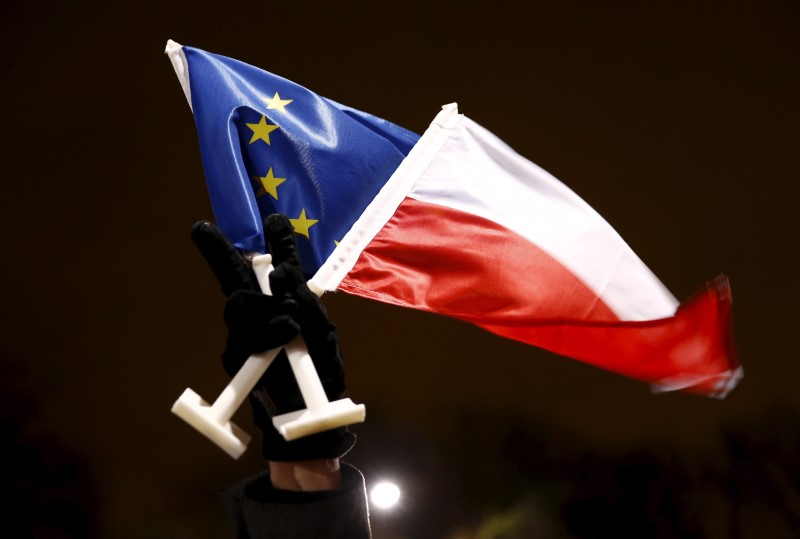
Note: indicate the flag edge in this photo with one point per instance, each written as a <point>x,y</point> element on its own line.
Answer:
<point>344,257</point>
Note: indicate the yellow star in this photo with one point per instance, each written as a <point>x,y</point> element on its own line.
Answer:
<point>302,224</point>
<point>276,102</point>
<point>269,184</point>
<point>261,130</point>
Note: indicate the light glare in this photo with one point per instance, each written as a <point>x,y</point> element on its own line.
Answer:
<point>384,495</point>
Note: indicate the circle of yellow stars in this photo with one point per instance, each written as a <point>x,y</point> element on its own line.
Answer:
<point>269,182</point>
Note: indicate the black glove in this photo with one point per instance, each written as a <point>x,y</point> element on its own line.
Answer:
<point>257,323</point>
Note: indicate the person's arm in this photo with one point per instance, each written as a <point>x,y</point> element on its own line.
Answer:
<point>259,510</point>
<point>305,491</point>
<point>306,475</point>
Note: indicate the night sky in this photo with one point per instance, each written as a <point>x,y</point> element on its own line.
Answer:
<point>676,121</point>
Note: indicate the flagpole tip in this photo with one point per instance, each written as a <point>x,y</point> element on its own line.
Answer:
<point>449,117</point>
<point>177,58</point>
<point>172,47</point>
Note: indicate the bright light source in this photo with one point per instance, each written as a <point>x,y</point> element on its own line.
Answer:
<point>384,495</point>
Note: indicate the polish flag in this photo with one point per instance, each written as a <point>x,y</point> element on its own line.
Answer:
<point>467,228</point>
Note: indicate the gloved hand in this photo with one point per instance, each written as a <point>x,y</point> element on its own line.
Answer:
<point>257,322</point>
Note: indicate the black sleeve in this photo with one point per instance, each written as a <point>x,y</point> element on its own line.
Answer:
<point>259,511</point>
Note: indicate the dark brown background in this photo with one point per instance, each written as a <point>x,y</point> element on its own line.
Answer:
<point>677,121</point>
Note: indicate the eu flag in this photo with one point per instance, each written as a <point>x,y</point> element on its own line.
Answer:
<point>269,145</point>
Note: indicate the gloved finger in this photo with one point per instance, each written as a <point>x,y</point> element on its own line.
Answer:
<point>248,311</point>
<point>256,323</point>
<point>285,280</point>
<point>239,347</point>
<point>225,261</point>
<point>276,333</point>
<point>279,234</point>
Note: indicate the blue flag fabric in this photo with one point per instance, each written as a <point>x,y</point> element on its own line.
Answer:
<point>269,145</point>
